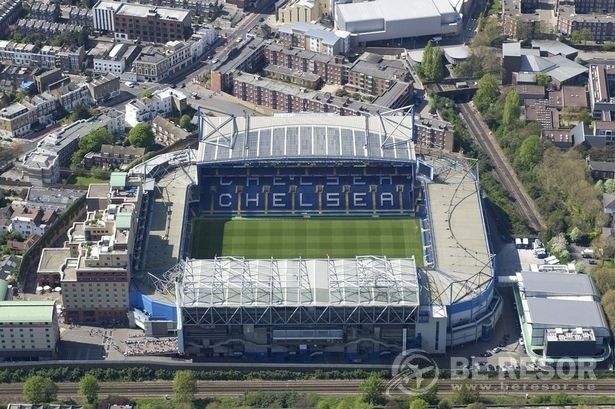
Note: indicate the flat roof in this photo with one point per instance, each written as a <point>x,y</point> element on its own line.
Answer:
<point>143,11</point>
<point>557,284</point>
<point>306,136</point>
<point>26,311</point>
<point>52,259</point>
<point>393,10</point>
<point>564,313</point>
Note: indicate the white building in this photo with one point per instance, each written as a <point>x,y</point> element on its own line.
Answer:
<point>201,41</point>
<point>29,221</point>
<point>161,103</point>
<point>114,63</point>
<point>103,15</point>
<point>382,20</point>
<point>28,329</point>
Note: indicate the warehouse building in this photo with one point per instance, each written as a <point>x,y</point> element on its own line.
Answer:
<point>561,316</point>
<point>383,20</point>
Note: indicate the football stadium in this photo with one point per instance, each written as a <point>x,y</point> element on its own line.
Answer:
<point>312,235</point>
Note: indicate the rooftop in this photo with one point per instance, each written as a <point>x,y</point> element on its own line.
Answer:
<point>564,313</point>
<point>393,10</point>
<point>300,282</point>
<point>144,11</point>
<point>26,311</point>
<point>291,136</point>
<point>556,284</point>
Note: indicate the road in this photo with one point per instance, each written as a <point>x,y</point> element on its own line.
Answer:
<point>504,171</point>
<point>604,387</point>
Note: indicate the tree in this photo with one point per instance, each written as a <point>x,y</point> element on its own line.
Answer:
<point>185,123</point>
<point>141,135</point>
<point>147,94</point>
<point>466,393</point>
<point>372,389</point>
<point>184,386</point>
<point>581,36</point>
<point>487,92</point>
<point>529,153</point>
<point>88,388</point>
<point>432,67</point>
<point>92,142</point>
<point>543,79</point>
<point>444,404</point>
<point>80,112</point>
<point>609,186</point>
<point>558,244</point>
<point>39,389</point>
<point>418,404</point>
<point>576,234</point>
<point>512,109</point>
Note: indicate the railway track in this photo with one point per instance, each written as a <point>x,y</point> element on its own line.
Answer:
<point>324,387</point>
<point>505,174</point>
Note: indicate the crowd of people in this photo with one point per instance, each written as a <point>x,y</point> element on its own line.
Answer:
<point>151,346</point>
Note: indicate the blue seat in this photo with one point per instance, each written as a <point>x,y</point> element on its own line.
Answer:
<point>306,199</point>
<point>360,198</point>
<point>333,198</point>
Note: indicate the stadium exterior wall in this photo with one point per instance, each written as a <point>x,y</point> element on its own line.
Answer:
<point>155,309</point>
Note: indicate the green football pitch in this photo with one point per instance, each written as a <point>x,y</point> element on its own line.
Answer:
<point>308,238</point>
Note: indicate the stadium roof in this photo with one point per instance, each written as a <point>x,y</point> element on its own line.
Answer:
<point>306,137</point>
<point>462,260</point>
<point>237,282</point>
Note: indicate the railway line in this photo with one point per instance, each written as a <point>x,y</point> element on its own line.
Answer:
<point>505,174</point>
<point>326,388</point>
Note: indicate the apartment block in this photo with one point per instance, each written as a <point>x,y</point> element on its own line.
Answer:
<point>117,60</point>
<point>249,58</point>
<point>162,102</point>
<point>315,37</point>
<point>9,12</point>
<point>29,221</point>
<point>331,69</point>
<point>166,133</point>
<point>112,156</point>
<point>104,88</point>
<point>16,120</point>
<point>157,63</point>
<point>42,165</point>
<point>141,22</point>
<point>28,330</point>
<point>29,55</point>
<point>373,75</point>
<point>600,25</point>
<point>601,85</point>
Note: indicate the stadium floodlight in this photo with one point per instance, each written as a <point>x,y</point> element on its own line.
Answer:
<point>393,119</point>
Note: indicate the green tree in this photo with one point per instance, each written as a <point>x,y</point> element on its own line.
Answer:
<point>529,153</point>
<point>444,404</point>
<point>372,389</point>
<point>512,109</point>
<point>432,67</point>
<point>39,389</point>
<point>185,123</point>
<point>576,234</point>
<point>147,94</point>
<point>80,112</point>
<point>487,93</point>
<point>581,36</point>
<point>141,135</point>
<point>543,79</point>
<point>418,404</point>
<point>91,142</point>
<point>88,388</point>
<point>184,386</point>
<point>466,393</point>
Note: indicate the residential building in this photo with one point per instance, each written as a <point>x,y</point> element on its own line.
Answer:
<point>162,102</point>
<point>530,91</point>
<point>602,170</point>
<point>141,22</point>
<point>81,16</point>
<point>116,61</point>
<point>599,135</point>
<point>104,88</point>
<point>151,65</point>
<point>29,221</point>
<point>28,330</point>
<point>249,57</point>
<point>601,85</point>
<point>46,78</point>
<point>112,156</point>
<point>16,120</point>
<point>9,12</point>
<point>562,138</point>
<point>46,27</point>
<point>201,41</point>
<point>383,20</point>
<point>331,69</point>
<point>167,133</point>
<point>373,75</point>
<point>42,165</point>
<point>44,11</point>
<point>600,24</point>
<point>314,37</point>
<point>71,95</point>
<point>26,55</point>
